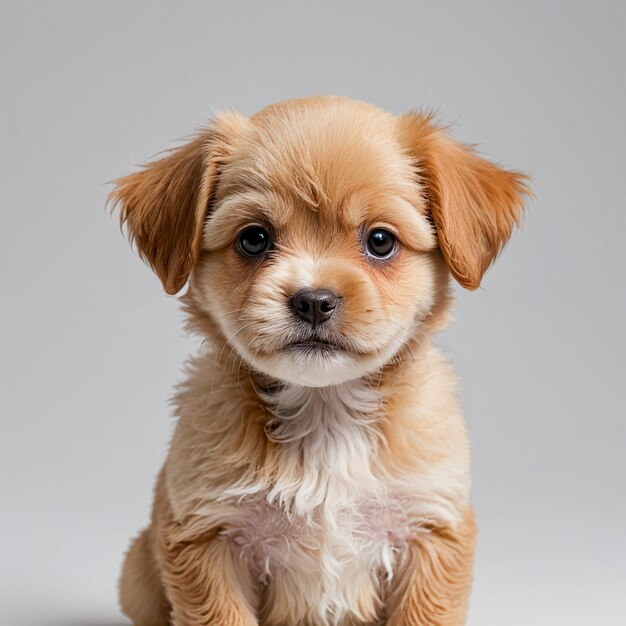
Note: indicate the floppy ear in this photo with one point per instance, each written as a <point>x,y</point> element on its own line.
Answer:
<point>474,203</point>
<point>165,204</point>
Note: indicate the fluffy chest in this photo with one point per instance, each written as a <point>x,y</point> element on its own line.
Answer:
<point>327,528</point>
<point>318,570</point>
<point>324,522</point>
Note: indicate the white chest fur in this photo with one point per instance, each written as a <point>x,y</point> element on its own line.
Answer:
<point>330,526</point>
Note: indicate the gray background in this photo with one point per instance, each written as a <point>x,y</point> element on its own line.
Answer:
<point>91,347</point>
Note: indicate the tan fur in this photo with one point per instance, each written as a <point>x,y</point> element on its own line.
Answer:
<point>434,587</point>
<point>164,204</point>
<point>474,203</point>
<point>304,489</point>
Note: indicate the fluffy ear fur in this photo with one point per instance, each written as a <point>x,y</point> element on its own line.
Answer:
<point>474,203</point>
<point>165,204</point>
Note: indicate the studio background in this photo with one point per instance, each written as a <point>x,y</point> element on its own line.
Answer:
<point>91,347</point>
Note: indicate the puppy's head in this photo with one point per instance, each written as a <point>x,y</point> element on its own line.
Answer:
<point>319,233</point>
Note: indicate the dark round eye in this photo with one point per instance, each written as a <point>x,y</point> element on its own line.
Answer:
<point>381,243</point>
<point>254,241</point>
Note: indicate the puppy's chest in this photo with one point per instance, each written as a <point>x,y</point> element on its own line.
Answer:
<point>327,527</point>
<point>322,568</point>
<point>364,533</point>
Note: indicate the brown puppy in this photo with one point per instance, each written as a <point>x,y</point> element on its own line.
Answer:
<point>319,472</point>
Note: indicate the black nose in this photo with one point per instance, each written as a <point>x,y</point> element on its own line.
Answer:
<point>314,305</point>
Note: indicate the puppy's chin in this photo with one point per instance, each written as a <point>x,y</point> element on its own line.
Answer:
<point>320,366</point>
<point>311,367</point>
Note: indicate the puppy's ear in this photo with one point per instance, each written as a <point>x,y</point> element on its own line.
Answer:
<point>164,205</point>
<point>474,203</point>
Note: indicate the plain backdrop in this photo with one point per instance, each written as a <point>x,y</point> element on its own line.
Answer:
<point>91,347</point>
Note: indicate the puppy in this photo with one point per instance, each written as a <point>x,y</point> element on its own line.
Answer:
<point>319,471</point>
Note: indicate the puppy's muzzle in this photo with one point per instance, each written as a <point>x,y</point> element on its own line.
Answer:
<point>315,306</point>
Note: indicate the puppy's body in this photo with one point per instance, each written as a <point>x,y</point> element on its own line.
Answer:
<point>319,472</point>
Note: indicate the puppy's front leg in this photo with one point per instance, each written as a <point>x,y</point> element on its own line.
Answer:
<point>435,581</point>
<point>206,584</point>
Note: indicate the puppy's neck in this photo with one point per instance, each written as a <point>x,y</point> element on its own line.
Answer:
<point>325,441</point>
<point>299,412</point>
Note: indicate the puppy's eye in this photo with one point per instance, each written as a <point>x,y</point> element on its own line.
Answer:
<point>254,241</point>
<point>381,243</point>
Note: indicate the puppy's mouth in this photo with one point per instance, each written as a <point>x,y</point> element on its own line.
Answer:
<point>315,345</point>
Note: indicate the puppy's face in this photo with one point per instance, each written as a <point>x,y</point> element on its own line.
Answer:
<point>314,231</point>
<point>317,261</point>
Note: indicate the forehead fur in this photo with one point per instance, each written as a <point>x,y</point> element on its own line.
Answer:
<point>323,153</point>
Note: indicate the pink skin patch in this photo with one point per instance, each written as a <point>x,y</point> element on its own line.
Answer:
<point>264,537</point>
<point>387,529</point>
<point>382,524</point>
